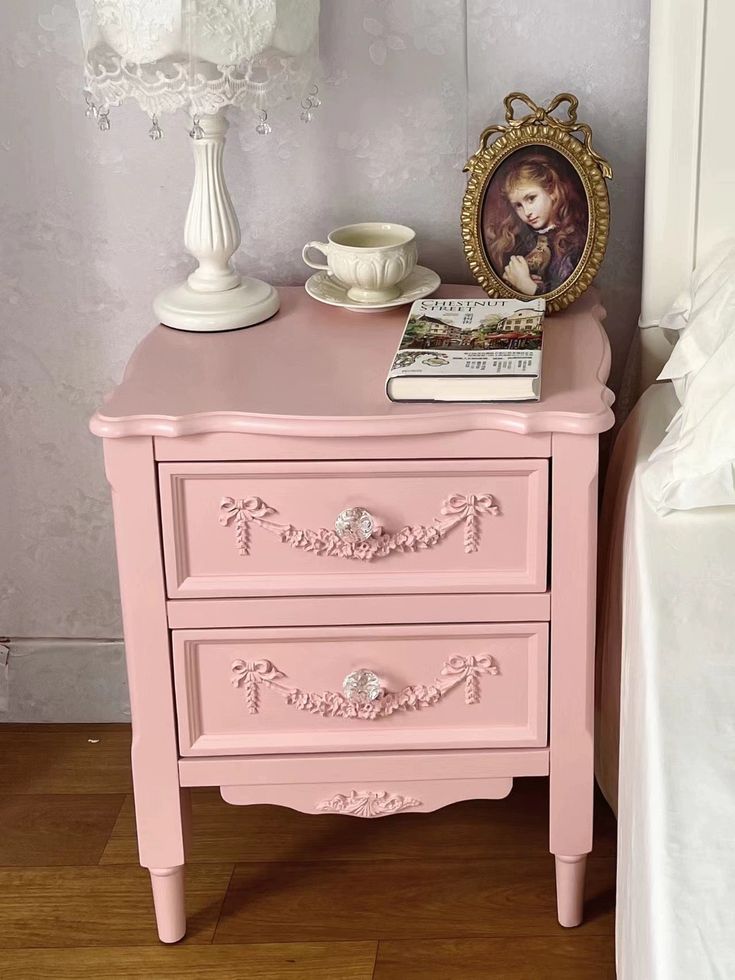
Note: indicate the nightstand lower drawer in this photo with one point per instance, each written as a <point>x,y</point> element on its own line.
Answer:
<point>347,689</point>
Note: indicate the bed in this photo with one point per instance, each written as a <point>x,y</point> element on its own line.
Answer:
<point>665,750</point>
<point>667,639</point>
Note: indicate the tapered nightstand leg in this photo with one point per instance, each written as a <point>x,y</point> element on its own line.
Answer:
<point>570,870</point>
<point>161,804</point>
<point>573,579</point>
<point>168,901</point>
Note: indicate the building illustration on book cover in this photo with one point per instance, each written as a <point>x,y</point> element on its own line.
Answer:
<point>519,330</point>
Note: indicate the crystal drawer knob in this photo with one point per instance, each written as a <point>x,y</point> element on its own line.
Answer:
<point>354,524</point>
<point>361,685</point>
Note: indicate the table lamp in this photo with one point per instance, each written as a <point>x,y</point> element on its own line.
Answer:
<point>203,56</point>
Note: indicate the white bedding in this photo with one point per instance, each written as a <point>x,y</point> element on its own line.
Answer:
<point>667,644</point>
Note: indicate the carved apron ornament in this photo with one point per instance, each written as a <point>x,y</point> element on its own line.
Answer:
<point>368,803</point>
<point>457,509</point>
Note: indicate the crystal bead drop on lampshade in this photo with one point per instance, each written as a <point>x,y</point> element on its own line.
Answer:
<point>204,56</point>
<point>362,685</point>
<point>354,524</point>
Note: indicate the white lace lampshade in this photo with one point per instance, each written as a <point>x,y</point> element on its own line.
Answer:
<point>203,56</point>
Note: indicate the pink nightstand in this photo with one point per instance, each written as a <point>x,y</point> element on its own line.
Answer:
<point>434,661</point>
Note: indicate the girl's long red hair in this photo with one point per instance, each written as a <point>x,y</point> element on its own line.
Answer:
<point>569,213</point>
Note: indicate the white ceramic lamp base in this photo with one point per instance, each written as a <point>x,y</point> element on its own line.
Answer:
<point>215,296</point>
<point>185,308</point>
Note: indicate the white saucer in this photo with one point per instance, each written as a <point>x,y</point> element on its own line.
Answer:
<point>327,289</point>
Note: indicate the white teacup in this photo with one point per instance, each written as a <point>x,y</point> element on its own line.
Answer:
<point>370,258</point>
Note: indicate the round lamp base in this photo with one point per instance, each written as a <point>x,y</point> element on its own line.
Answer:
<point>184,308</point>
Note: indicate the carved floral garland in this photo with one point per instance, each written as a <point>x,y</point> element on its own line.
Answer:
<point>250,675</point>
<point>368,803</point>
<point>456,509</point>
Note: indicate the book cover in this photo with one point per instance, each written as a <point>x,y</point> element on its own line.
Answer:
<point>469,350</point>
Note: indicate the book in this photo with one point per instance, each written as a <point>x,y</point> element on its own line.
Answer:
<point>469,350</point>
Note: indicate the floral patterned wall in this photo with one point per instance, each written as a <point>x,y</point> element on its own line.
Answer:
<point>91,223</point>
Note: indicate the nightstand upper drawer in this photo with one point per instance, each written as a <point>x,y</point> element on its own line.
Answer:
<point>246,529</point>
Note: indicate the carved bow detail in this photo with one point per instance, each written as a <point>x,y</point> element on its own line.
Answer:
<point>243,510</point>
<point>249,675</point>
<point>471,505</point>
<point>470,669</point>
<point>468,508</point>
<point>248,507</point>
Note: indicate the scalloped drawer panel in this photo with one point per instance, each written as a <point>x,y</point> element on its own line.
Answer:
<point>249,691</point>
<point>249,529</point>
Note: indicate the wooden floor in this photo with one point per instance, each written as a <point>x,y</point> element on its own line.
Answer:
<point>466,893</point>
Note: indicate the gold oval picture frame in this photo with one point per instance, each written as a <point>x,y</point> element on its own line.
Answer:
<point>536,212</point>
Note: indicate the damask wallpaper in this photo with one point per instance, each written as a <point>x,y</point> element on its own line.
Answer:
<point>91,228</point>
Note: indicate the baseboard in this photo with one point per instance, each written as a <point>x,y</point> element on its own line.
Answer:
<point>59,680</point>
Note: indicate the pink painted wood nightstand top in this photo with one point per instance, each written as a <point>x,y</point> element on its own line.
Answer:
<point>314,370</point>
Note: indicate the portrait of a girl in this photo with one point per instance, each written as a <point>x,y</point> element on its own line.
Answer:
<point>535,221</point>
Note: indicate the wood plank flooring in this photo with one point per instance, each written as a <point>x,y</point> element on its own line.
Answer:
<point>466,893</point>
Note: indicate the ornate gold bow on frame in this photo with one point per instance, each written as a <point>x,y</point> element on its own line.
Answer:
<point>542,116</point>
